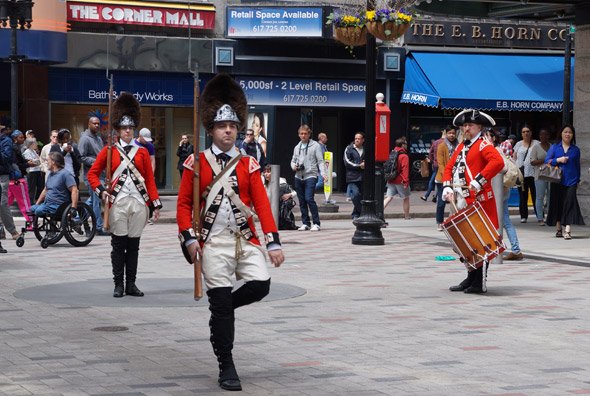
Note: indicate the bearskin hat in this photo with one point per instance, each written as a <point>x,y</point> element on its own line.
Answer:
<point>474,116</point>
<point>223,100</point>
<point>126,111</point>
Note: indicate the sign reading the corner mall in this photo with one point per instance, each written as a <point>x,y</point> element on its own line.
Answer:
<point>173,15</point>
<point>274,22</point>
<point>486,34</point>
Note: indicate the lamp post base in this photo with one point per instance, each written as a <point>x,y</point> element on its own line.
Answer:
<point>368,226</point>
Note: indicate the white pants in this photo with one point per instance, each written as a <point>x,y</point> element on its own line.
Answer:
<point>128,217</point>
<point>220,263</point>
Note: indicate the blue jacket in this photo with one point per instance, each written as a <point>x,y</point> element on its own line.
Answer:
<point>5,152</point>
<point>570,171</point>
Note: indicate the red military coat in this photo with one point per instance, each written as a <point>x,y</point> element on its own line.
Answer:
<point>142,162</point>
<point>484,162</point>
<point>251,191</point>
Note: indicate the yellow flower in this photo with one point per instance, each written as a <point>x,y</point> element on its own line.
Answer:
<point>350,20</point>
<point>371,15</point>
<point>404,17</point>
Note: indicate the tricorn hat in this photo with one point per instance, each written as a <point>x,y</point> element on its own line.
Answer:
<point>474,116</point>
<point>126,111</point>
<point>223,100</point>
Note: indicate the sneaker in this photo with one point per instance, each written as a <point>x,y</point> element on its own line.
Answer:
<point>2,250</point>
<point>423,198</point>
<point>2,232</point>
<point>513,256</point>
<point>150,222</point>
<point>567,235</point>
<point>541,222</point>
<point>523,220</point>
<point>439,227</point>
<point>102,232</point>
<point>434,199</point>
<point>315,227</point>
<point>303,228</point>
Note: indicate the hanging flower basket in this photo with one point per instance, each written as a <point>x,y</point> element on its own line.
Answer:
<point>352,36</point>
<point>387,31</point>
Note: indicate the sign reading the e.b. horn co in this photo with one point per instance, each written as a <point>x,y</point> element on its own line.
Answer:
<point>486,33</point>
<point>173,15</point>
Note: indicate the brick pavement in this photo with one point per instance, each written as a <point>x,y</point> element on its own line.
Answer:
<point>373,320</point>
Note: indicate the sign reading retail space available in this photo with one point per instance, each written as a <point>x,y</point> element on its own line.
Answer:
<point>174,15</point>
<point>274,22</point>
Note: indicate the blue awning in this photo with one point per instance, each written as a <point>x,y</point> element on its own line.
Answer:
<point>485,81</point>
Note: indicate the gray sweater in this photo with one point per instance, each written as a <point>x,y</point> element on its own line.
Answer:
<point>310,155</point>
<point>89,146</point>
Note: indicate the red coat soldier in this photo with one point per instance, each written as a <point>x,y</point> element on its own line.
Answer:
<point>230,185</point>
<point>467,178</point>
<point>133,195</point>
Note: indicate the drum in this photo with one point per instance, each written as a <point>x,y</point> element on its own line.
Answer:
<point>473,236</point>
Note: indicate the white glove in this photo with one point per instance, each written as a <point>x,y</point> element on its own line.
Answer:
<point>474,185</point>
<point>447,194</point>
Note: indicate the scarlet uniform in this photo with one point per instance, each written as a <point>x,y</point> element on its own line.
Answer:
<point>484,162</point>
<point>251,193</point>
<point>142,163</point>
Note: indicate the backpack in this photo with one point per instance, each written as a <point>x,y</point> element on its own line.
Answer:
<point>390,171</point>
<point>512,175</point>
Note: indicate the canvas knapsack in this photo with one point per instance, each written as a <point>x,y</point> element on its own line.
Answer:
<point>512,175</point>
<point>390,171</point>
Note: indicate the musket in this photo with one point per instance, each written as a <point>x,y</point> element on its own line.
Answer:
<point>109,170</point>
<point>197,265</point>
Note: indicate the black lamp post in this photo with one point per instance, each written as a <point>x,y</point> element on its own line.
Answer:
<point>368,225</point>
<point>17,14</point>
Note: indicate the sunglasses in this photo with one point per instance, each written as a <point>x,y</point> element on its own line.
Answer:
<point>249,134</point>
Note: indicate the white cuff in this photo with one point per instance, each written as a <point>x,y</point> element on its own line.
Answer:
<point>475,185</point>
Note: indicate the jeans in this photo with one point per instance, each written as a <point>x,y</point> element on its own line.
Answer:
<point>44,209</point>
<point>305,192</point>
<point>509,227</point>
<point>95,205</point>
<point>542,188</point>
<point>440,204</point>
<point>354,190</point>
<point>431,183</point>
<point>4,209</point>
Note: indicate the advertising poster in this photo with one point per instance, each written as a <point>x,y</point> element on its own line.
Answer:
<point>329,168</point>
<point>258,123</point>
<point>274,22</point>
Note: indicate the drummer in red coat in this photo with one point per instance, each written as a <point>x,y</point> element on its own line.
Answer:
<point>133,194</point>
<point>467,177</point>
<point>227,241</point>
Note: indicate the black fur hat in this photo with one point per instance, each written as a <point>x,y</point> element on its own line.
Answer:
<point>126,111</point>
<point>223,100</point>
<point>474,116</point>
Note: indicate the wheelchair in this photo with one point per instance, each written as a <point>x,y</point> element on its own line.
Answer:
<point>77,225</point>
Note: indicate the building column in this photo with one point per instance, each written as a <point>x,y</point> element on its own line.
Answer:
<point>582,105</point>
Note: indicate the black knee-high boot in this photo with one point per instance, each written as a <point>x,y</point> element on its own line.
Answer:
<point>250,292</point>
<point>477,286</point>
<point>222,336</point>
<point>119,244</point>
<point>131,258</point>
<point>465,283</point>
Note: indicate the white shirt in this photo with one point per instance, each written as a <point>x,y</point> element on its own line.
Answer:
<point>129,188</point>
<point>225,216</point>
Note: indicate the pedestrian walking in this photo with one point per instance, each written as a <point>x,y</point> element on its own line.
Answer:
<point>444,152</point>
<point>227,242</point>
<point>522,151</point>
<point>133,194</point>
<point>89,145</point>
<point>308,164</point>
<point>564,209</point>
<point>354,162</point>
<point>538,154</point>
<point>467,178</point>
<point>400,185</point>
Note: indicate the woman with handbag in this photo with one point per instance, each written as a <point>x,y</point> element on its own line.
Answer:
<point>522,151</point>
<point>538,154</point>
<point>564,209</point>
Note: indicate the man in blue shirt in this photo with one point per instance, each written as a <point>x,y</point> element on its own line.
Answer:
<point>60,187</point>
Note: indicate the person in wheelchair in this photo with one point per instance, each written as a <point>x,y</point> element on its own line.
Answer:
<point>60,187</point>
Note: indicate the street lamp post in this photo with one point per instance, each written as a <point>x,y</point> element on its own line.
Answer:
<point>17,14</point>
<point>368,225</point>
